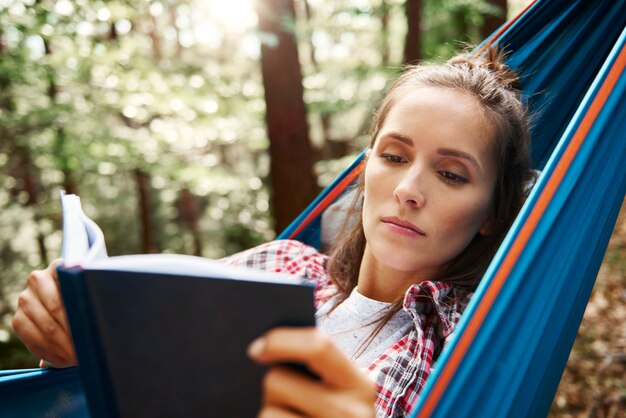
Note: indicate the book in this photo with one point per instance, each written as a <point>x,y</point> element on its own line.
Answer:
<point>164,335</point>
<point>83,240</point>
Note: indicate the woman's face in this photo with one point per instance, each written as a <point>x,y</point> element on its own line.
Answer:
<point>429,182</point>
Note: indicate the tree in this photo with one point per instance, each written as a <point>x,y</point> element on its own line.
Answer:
<point>495,19</point>
<point>155,112</point>
<point>291,169</point>
<point>413,41</point>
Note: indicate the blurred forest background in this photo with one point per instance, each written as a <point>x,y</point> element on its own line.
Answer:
<point>205,126</point>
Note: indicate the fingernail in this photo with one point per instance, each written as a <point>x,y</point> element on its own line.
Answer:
<point>256,347</point>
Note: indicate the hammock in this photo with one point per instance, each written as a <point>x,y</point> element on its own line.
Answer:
<point>512,344</point>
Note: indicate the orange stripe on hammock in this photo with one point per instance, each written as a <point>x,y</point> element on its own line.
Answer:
<point>475,322</point>
<point>337,190</point>
<point>502,29</point>
<point>329,198</point>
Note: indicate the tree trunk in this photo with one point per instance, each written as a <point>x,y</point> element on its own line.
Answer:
<point>156,40</point>
<point>307,16</point>
<point>63,161</point>
<point>291,168</point>
<point>413,42</point>
<point>173,13</point>
<point>384,23</point>
<point>331,148</point>
<point>493,22</point>
<point>29,182</point>
<point>188,206</point>
<point>324,115</point>
<point>60,137</point>
<point>148,241</point>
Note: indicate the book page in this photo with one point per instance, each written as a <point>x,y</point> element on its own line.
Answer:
<point>188,265</point>
<point>95,238</point>
<point>75,240</point>
<point>83,240</point>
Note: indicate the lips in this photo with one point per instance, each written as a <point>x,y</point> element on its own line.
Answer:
<point>402,227</point>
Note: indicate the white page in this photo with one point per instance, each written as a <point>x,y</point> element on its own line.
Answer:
<point>83,241</point>
<point>84,246</point>
<point>188,265</point>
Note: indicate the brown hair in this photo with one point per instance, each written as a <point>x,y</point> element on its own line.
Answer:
<point>496,88</point>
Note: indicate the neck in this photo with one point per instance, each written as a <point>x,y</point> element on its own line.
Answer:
<point>380,282</point>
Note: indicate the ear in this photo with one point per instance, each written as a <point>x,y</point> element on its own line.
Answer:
<point>487,227</point>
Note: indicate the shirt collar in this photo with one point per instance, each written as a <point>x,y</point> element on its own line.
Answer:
<point>440,302</point>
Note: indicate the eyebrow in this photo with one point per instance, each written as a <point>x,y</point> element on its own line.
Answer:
<point>449,152</point>
<point>400,137</point>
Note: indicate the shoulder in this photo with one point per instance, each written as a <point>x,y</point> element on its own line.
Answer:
<point>462,296</point>
<point>280,256</point>
<point>293,258</point>
<point>441,300</point>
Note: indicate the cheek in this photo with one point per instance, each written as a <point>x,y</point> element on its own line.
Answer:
<point>375,195</point>
<point>376,184</point>
<point>366,208</point>
<point>380,180</point>
<point>463,218</point>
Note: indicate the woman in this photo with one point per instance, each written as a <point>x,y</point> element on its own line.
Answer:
<point>443,181</point>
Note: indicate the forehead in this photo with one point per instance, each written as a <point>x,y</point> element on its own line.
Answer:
<point>441,116</point>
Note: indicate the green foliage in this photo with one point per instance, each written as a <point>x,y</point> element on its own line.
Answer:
<point>449,25</point>
<point>13,356</point>
<point>93,92</point>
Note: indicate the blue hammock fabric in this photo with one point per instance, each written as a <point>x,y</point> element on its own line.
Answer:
<point>565,50</point>
<point>558,47</point>
<point>512,345</point>
<point>42,393</point>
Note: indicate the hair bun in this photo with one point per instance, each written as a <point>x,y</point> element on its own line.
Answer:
<point>493,61</point>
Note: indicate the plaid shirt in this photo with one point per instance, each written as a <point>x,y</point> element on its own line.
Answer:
<point>400,372</point>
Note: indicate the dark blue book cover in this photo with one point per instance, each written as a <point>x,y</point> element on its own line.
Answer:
<point>161,343</point>
<point>92,370</point>
<point>164,335</point>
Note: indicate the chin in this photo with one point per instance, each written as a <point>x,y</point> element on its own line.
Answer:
<point>401,261</point>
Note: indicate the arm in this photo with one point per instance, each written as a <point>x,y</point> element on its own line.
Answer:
<point>40,320</point>
<point>341,390</point>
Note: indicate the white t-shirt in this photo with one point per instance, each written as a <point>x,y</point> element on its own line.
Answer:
<point>353,321</point>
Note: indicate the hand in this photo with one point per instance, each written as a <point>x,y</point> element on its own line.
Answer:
<point>40,320</point>
<point>342,390</point>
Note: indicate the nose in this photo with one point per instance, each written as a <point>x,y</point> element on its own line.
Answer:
<point>410,190</point>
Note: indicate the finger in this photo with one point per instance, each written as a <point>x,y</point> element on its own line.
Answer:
<point>274,411</point>
<point>310,347</point>
<point>62,313</point>
<point>44,284</point>
<point>36,342</point>
<point>49,332</point>
<point>52,269</point>
<point>297,392</point>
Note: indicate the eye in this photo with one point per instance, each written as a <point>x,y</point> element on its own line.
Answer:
<point>452,178</point>
<point>393,159</point>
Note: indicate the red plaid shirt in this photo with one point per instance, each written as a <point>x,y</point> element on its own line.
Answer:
<point>401,372</point>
